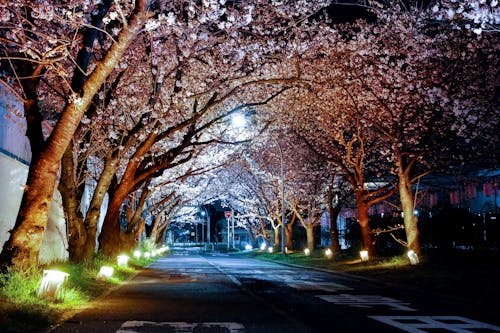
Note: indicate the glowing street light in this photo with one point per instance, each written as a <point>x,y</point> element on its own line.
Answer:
<point>364,255</point>
<point>248,247</point>
<point>328,253</point>
<point>307,252</point>
<point>52,285</point>
<point>270,249</point>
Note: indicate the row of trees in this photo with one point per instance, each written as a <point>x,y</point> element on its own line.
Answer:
<point>134,100</point>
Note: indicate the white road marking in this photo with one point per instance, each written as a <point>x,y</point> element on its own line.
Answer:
<point>135,326</point>
<point>421,324</point>
<point>366,301</point>
<point>323,286</point>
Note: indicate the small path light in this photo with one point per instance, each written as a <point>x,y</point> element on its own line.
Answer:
<point>122,260</point>
<point>270,249</point>
<point>53,285</point>
<point>328,253</point>
<point>307,252</point>
<point>147,255</point>
<point>248,247</point>
<point>263,246</point>
<point>137,254</point>
<point>413,257</point>
<point>364,255</point>
<point>105,273</point>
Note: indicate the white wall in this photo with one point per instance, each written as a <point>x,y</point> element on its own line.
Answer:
<point>15,154</point>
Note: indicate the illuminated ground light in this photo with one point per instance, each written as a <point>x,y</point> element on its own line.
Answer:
<point>105,273</point>
<point>122,261</point>
<point>328,253</point>
<point>53,285</point>
<point>307,252</point>
<point>137,254</point>
<point>153,253</point>
<point>263,246</point>
<point>364,255</point>
<point>413,257</point>
<point>248,247</point>
<point>270,249</point>
<point>147,255</point>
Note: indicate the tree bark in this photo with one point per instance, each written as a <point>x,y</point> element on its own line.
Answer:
<point>407,204</point>
<point>310,236</point>
<point>333,214</point>
<point>22,249</point>
<point>94,211</point>
<point>289,234</point>
<point>77,234</point>
<point>363,221</point>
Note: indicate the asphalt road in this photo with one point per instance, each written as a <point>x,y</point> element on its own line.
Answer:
<point>186,292</point>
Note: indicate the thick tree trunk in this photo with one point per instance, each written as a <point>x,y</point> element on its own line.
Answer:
<point>109,238</point>
<point>77,234</point>
<point>410,220</point>
<point>310,236</point>
<point>363,221</point>
<point>277,238</point>
<point>22,249</point>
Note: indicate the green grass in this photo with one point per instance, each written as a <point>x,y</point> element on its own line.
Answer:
<point>23,310</point>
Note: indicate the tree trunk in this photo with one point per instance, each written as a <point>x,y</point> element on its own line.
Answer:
<point>365,228</point>
<point>277,238</point>
<point>77,234</point>
<point>289,235</point>
<point>22,249</point>
<point>94,211</point>
<point>109,239</point>
<point>410,220</point>
<point>333,214</point>
<point>310,236</point>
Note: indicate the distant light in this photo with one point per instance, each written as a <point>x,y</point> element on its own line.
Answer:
<point>248,247</point>
<point>263,246</point>
<point>270,249</point>
<point>147,255</point>
<point>137,254</point>
<point>154,253</point>
<point>238,120</point>
<point>122,260</point>
<point>328,253</point>
<point>167,248</point>
<point>52,285</point>
<point>415,212</point>
<point>307,252</point>
<point>413,257</point>
<point>364,255</point>
<point>105,273</point>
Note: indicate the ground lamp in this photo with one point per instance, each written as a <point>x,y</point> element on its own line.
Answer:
<point>248,247</point>
<point>270,249</point>
<point>53,285</point>
<point>147,255</point>
<point>328,253</point>
<point>364,255</point>
<point>413,257</point>
<point>122,260</point>
<point>137,254</point>
<point>105,273</point>
<point>263,246</point>
<point>307,252</point>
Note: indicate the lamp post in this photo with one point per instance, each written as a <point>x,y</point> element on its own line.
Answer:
<point>205,213</point>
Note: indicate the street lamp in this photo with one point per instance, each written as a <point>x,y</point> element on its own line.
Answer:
<point>205,213</point>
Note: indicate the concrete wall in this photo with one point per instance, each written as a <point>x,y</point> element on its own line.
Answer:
<point>15,155</point>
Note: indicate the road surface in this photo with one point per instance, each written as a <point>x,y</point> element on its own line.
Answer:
<point>186,292</point>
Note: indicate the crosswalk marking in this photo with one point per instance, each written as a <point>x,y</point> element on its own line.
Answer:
<point>427,324</point>
<point>366,301</point>
<point>135,326</point>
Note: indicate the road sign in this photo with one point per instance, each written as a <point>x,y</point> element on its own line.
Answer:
<point>228,214</point>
